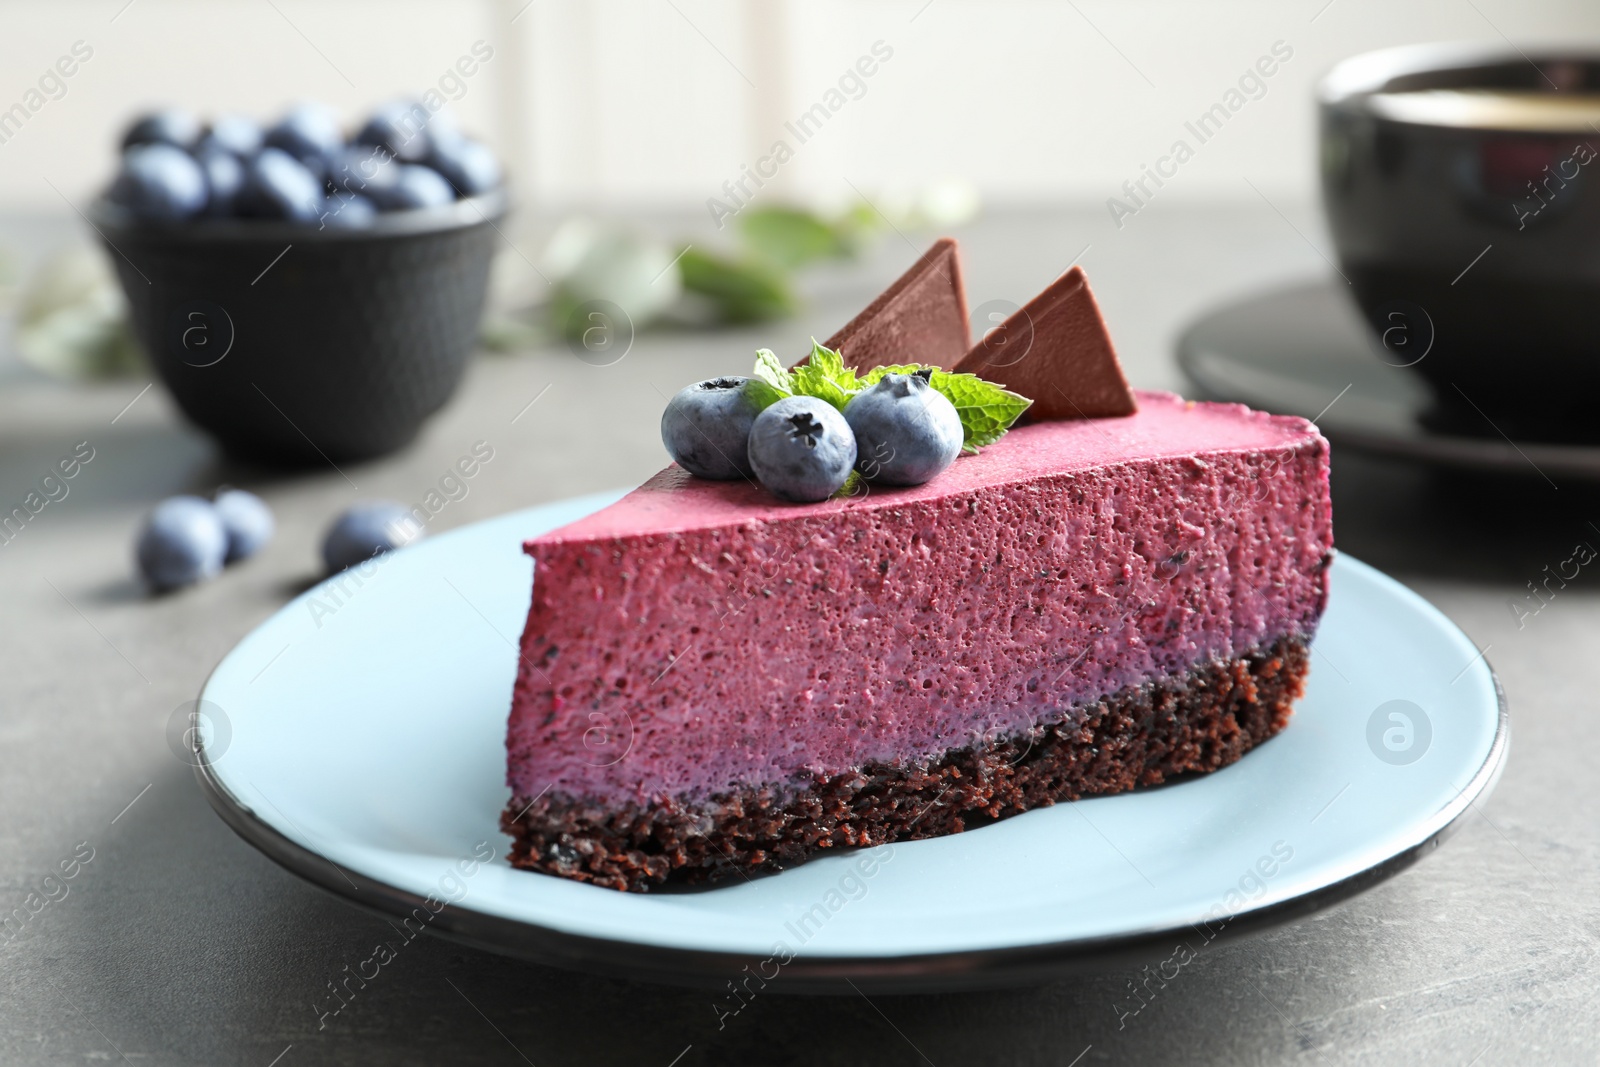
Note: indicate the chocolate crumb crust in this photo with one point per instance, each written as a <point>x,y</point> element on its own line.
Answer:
<point>1140,736</point>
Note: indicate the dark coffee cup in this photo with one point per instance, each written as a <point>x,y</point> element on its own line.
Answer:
<point>1462,187</point>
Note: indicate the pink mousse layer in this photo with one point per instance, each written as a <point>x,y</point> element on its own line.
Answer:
<point>699,636</point>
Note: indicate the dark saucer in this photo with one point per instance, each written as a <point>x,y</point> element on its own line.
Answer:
<point>1303,350</point>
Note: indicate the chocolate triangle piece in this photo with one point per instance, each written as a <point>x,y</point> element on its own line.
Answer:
<point>921,318</point>
<point>1056,351</point>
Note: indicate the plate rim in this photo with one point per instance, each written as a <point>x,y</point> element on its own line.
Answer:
<point>947,971</point>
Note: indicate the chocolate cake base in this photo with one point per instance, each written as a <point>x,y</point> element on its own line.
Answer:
<point>1139,736</point>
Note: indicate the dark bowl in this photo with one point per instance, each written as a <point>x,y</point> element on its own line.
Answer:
<point>1472,245</point>
<point>292,344</point>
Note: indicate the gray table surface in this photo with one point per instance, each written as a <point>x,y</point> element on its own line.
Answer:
<point>180,944</point>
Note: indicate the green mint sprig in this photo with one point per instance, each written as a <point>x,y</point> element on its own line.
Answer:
<point>987,410</point>
<point>771,382</point>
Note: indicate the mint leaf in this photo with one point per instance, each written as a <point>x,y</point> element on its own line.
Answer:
<point>762,393</point>
<point>845,376</point>
<point>875,375</point>
<point>825,377</point>
<point>829,362</point>
<point>810,381</point>
<point>770,370</point>
<point>987,411</point>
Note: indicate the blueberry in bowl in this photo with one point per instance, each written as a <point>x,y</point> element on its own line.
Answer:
<point>305,297</point>
<point>172,125</point>
<point>401,129</point>
<point>469,166</point>
<point>309,133</point>
<point>278,186</point>
<point>350,211</point>
<point>414,187</point>
<point>225,179</point>
<point>362,170</point>
<point>238,135</point>
<point>160,182</point>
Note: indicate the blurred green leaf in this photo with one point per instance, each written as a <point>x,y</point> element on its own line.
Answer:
<point>594,262</point>
<point>856,229</point>
<point>741,290</point>
<point>563,315</point>
<point>509,333</point>
<point>788,237</point>
<point>71,320</point>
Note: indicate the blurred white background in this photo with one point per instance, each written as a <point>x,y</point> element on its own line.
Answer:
<point>654,104</point>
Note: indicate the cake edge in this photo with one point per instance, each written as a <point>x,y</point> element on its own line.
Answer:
<point>1142,735</point>
<point>1294,435</point>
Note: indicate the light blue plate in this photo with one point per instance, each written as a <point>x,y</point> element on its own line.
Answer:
<point>357,738</point>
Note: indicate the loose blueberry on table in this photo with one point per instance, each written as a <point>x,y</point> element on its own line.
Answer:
<point>367,530</point>
<point>247,521</point>
<point>182,542</point>
<point>188,539</point>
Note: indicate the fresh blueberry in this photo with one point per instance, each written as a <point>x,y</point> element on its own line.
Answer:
<point>173,126</point>
<point>309,133</point>
<point>348,211</point>
<point>400,127</point>
<point>236,134</point>
<point>224,179</point>
<point>906,430</point>
<point>802,449</point>
<point>367,530</point>
<point>443,127</point>
<point>247,520</point>
<point>706,428</point>
<point>183,541</point>
<point>472,168</point>
<point>414,186</point>
<point>277,186</point>
<point>362,169</point>
<point>158,181</point>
